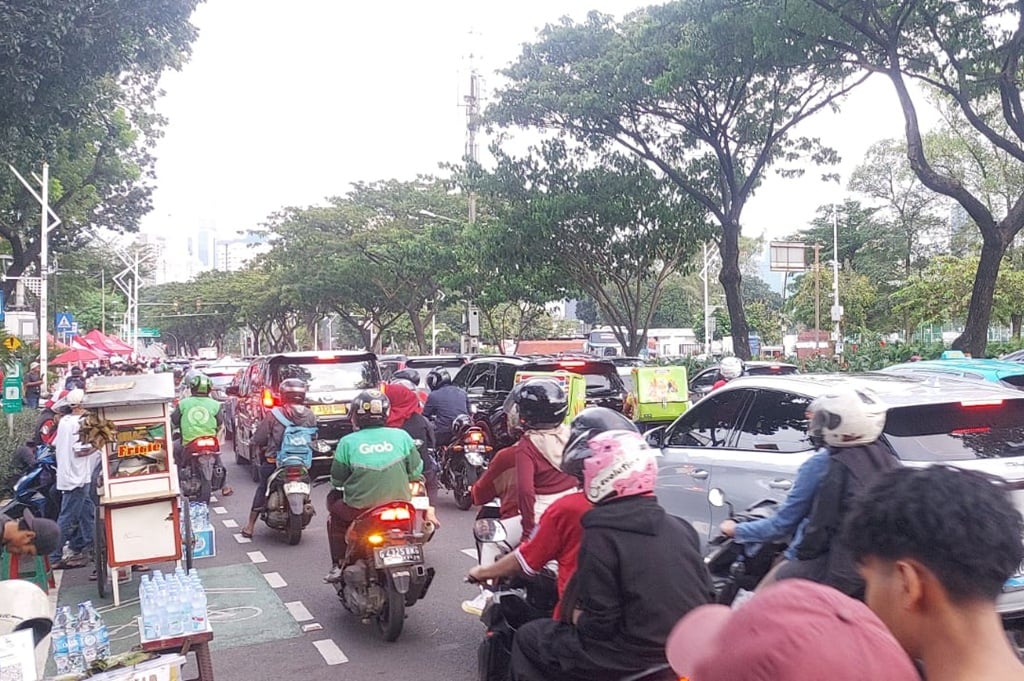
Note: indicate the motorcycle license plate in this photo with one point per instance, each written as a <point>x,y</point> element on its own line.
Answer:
<point>296,488</point>
<point>475,448</point>
<point>329,409</point>
<point>421,503</point>
<point>398,555</point>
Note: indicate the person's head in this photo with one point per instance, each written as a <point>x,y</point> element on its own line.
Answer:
<point>730,368</point>
<point>33,366</point>
<point>76,372</point>
<point>536,404</point>
<point>31,536</point>
<point>794,630</point>
<point>608,456</point>
<point>925,538</point>
<point>410,375</point>
<point>370,409</point>
<point>846,416</point>
<point>438,378</point>
<point>404,403</point>
<point>73,400</point>
<point>293,391</point>
<point>200,385</point>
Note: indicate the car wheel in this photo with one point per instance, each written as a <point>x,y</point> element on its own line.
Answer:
<point>237,446</point>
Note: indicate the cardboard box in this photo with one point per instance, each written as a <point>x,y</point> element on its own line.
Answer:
<point>574,385</point>
<point>205,544</point>
<point>662,393</point>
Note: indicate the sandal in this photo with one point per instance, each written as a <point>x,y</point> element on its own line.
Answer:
<point>246,534</point>
<point>227,492</point>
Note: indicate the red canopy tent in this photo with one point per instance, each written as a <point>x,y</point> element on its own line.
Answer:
<point>118,346</point>
<point>76,355</point>
<point>86,344</point>
<point>97,339</point>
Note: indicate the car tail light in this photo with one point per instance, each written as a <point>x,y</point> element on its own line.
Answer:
<point>206,442</point>
<point>325,356</point>
<point>293,473</point>
<point>268,398</point>
<point>981,403</point>
<point>971,431</point>
<point>574,364</point>
<point>394,514</point>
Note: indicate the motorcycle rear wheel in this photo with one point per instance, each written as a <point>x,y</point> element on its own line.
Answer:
<point>463,481</point>
<point>392,616</point>
<point>294,528</point>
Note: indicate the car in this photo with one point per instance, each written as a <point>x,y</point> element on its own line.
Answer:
<point>704,380</point>
<point>1015,356</point>
<point>389,364</point>
<point>1010,374</point>
<point>424,364</point>
<point>221,375</point>
<point>625,365</point>
<point>749,438</point>
<point>334,379</point>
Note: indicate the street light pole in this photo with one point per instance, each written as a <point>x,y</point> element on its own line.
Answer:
<point>837,311</point>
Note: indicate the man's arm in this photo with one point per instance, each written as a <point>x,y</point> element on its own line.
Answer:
<point>430,408</point>
<point>506,566</point>
<point>176,417</point>
<point>823,523</point>
<point>793,510</point>
<point>525,490</point>
<point>413,460</point>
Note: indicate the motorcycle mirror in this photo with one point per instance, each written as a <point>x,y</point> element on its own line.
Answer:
<point>716,497</point>
<point>489,530</point>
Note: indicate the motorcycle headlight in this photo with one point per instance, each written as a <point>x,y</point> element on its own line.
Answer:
<point>321,446</point>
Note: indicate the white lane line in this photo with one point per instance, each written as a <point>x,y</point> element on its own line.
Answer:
<point>240,539</point>
<point>470,552</point>
<point>257,557</point>
<point>230,522</point>
<point>220,510</point>
<point>274,579</point>
<point>300,612</point>
<point>213,499</point>
<point>330,651</point>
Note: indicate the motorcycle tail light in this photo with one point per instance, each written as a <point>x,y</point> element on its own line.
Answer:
<point>475,437</point>
<point>394,514</point>
<point>375,539</point>
<point>293,473</point>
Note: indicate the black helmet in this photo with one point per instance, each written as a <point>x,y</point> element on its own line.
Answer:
<point>461,423</point>
<point>588,423</point>
<point>410,375</point>
<point>293,390</point>
<point>438,378</point>
<point>535,404</point>
<point>370,408</point>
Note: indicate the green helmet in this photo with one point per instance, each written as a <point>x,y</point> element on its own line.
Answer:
<point>200,384</point>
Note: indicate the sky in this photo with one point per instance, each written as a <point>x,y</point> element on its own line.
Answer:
<point>286,103</point>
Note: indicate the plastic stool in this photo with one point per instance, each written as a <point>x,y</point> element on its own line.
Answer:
<point>42,574</point>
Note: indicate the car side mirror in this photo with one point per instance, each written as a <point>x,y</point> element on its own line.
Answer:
<point>232,390</point>
<point>656,437</point>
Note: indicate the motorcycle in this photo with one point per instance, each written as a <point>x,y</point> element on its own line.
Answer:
<point>517,600</point>
<point>384,570</point>
<point>462,463</point>
<point>37,490</point>
<point>287,506</point>
<point>200,474</point>
<point>736,569</point>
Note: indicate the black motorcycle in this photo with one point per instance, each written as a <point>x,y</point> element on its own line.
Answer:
<point>287,506</point>
<point>37,490</point>
<point>736,568</point>
<point>464,460</point>
<point>199,473</point>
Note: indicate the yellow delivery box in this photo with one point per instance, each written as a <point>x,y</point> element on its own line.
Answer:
<point>574,385</point>
<point>660,393</point>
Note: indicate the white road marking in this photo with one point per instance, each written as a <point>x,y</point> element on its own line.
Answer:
<point>213,499</point>
<point>300,612</point>
<point>240,539</point>
<point>470,552</point>
<point>274,579</point>
<point>312,626</point>
<point>230,522</point>
<point>330,651</point>
<point>220,510</point>
<point>257,557</point>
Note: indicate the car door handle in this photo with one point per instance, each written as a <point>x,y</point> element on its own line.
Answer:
<point>780,483</point>
<point>700,474</point>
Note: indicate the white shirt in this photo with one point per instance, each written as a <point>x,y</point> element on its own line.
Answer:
<point>72,471</point>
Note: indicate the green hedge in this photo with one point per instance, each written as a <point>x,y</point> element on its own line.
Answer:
<point>24,430</point>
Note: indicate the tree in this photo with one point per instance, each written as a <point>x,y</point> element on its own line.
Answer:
<point>859,296</point>
<point>614,231</point>
<point>706,91</point>
<point>970,53</point>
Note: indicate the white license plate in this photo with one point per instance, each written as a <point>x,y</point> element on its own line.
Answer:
<point>296,488</point>
<point>421,503</point>
<point>398,555</point>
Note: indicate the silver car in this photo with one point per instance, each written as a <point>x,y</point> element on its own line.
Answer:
<point>749,437</point>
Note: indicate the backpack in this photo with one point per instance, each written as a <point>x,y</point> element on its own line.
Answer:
<point>296,442</point>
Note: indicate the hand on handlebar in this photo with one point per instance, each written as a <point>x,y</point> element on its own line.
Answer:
<point>728,528</point>
<point>476,575</point>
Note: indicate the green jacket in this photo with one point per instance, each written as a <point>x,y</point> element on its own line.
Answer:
<point>199,416</point>
<point>375,465</point>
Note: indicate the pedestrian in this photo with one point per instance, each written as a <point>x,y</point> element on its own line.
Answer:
<point>936,546</point>
<point>29,536</point>
<point>74,379</point>
<point>795,630</point>
<point>33,386</point>
<point>76,462</point>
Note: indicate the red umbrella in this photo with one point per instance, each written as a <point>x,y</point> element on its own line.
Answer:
<point>75,355</point>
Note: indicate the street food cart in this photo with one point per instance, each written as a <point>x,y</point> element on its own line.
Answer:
<point>138,518</point>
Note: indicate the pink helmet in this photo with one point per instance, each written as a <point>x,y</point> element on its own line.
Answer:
<point>621,464</point>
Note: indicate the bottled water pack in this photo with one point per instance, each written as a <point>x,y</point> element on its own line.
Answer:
<point>172,605</point>
<point>79,638</point>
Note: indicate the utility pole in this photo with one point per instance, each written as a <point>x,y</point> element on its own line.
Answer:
<point>837,309</point>
<point>472,154</point>
<point>817,299</point>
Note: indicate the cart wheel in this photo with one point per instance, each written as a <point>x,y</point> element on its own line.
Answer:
<point>188,540</point>
<point>99,546</point>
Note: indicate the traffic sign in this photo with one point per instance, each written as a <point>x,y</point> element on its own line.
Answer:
<point>14,370</point>
<point>12,395</point>
<point>12,343</point>
<point>64,322</point>
<point>145,332</point>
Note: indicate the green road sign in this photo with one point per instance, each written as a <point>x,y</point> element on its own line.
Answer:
<point>12,395</point>
<point>149,333</point>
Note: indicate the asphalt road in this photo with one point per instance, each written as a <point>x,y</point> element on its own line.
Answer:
<point>439,641</point>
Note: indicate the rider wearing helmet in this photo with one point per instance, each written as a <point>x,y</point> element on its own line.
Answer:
<point>639,569</point>
<point>848,421</point>
<point>266,439</point>
<point>445,403</point>
<point>411,378</point>
<point>372,465</point>
<point>728,369</point>
<point>196,416</point>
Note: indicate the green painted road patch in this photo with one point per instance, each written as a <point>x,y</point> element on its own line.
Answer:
<point>242,608</point>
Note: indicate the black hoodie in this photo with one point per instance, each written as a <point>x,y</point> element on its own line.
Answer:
<point>640,570</point>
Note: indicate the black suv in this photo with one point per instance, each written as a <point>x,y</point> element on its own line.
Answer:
<point>334,379</point>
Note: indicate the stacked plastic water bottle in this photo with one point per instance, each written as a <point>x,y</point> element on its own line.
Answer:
<point>78,639</point>
<point>200,516</point>
<point>172,605</point>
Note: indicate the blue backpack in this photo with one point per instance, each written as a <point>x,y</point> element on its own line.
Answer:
<point>296,442</point>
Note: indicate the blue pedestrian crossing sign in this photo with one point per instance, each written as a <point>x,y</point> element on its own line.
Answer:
<point>64,322</point>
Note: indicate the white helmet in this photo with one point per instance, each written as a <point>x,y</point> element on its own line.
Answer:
<point>730,368</point>
<point>75,397</point>
<point>846,417</point>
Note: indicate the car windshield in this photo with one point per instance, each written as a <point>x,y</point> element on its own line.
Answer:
<point>957,431</point>
<point>325,376</point>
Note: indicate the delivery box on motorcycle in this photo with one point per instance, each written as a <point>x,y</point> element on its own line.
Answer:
<point>574,385</point>
<point>661,393</point>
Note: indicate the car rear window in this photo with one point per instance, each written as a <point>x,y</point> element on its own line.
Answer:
<point>429,364</point>
<point>1016,381</point>
<point>327,376</point>
<point>957,431</point>
<point>601,379</point>
<point>780,370</point>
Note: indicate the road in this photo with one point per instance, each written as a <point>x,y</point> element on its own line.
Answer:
<point>261,635</point>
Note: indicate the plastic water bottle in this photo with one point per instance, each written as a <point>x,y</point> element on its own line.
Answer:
<point>150,618</point>
<point>175,626</point>
<point>198,610</point>
<point>60,640</point>
<point>76,661</point>
<point>87,633</point>
<point>99,629</point>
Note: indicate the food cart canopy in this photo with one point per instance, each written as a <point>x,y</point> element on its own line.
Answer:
<point>112,391</point>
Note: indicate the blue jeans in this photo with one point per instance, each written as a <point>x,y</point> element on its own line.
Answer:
<point>77,520</point>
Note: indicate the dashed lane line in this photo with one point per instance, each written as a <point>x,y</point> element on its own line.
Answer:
<point>330,651</point>
<point>274,579</point>
<point>299,611</point>
<point>257,557</point>
<point>230,523</point>
<point>220,510</point>
<point>240,539</point>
